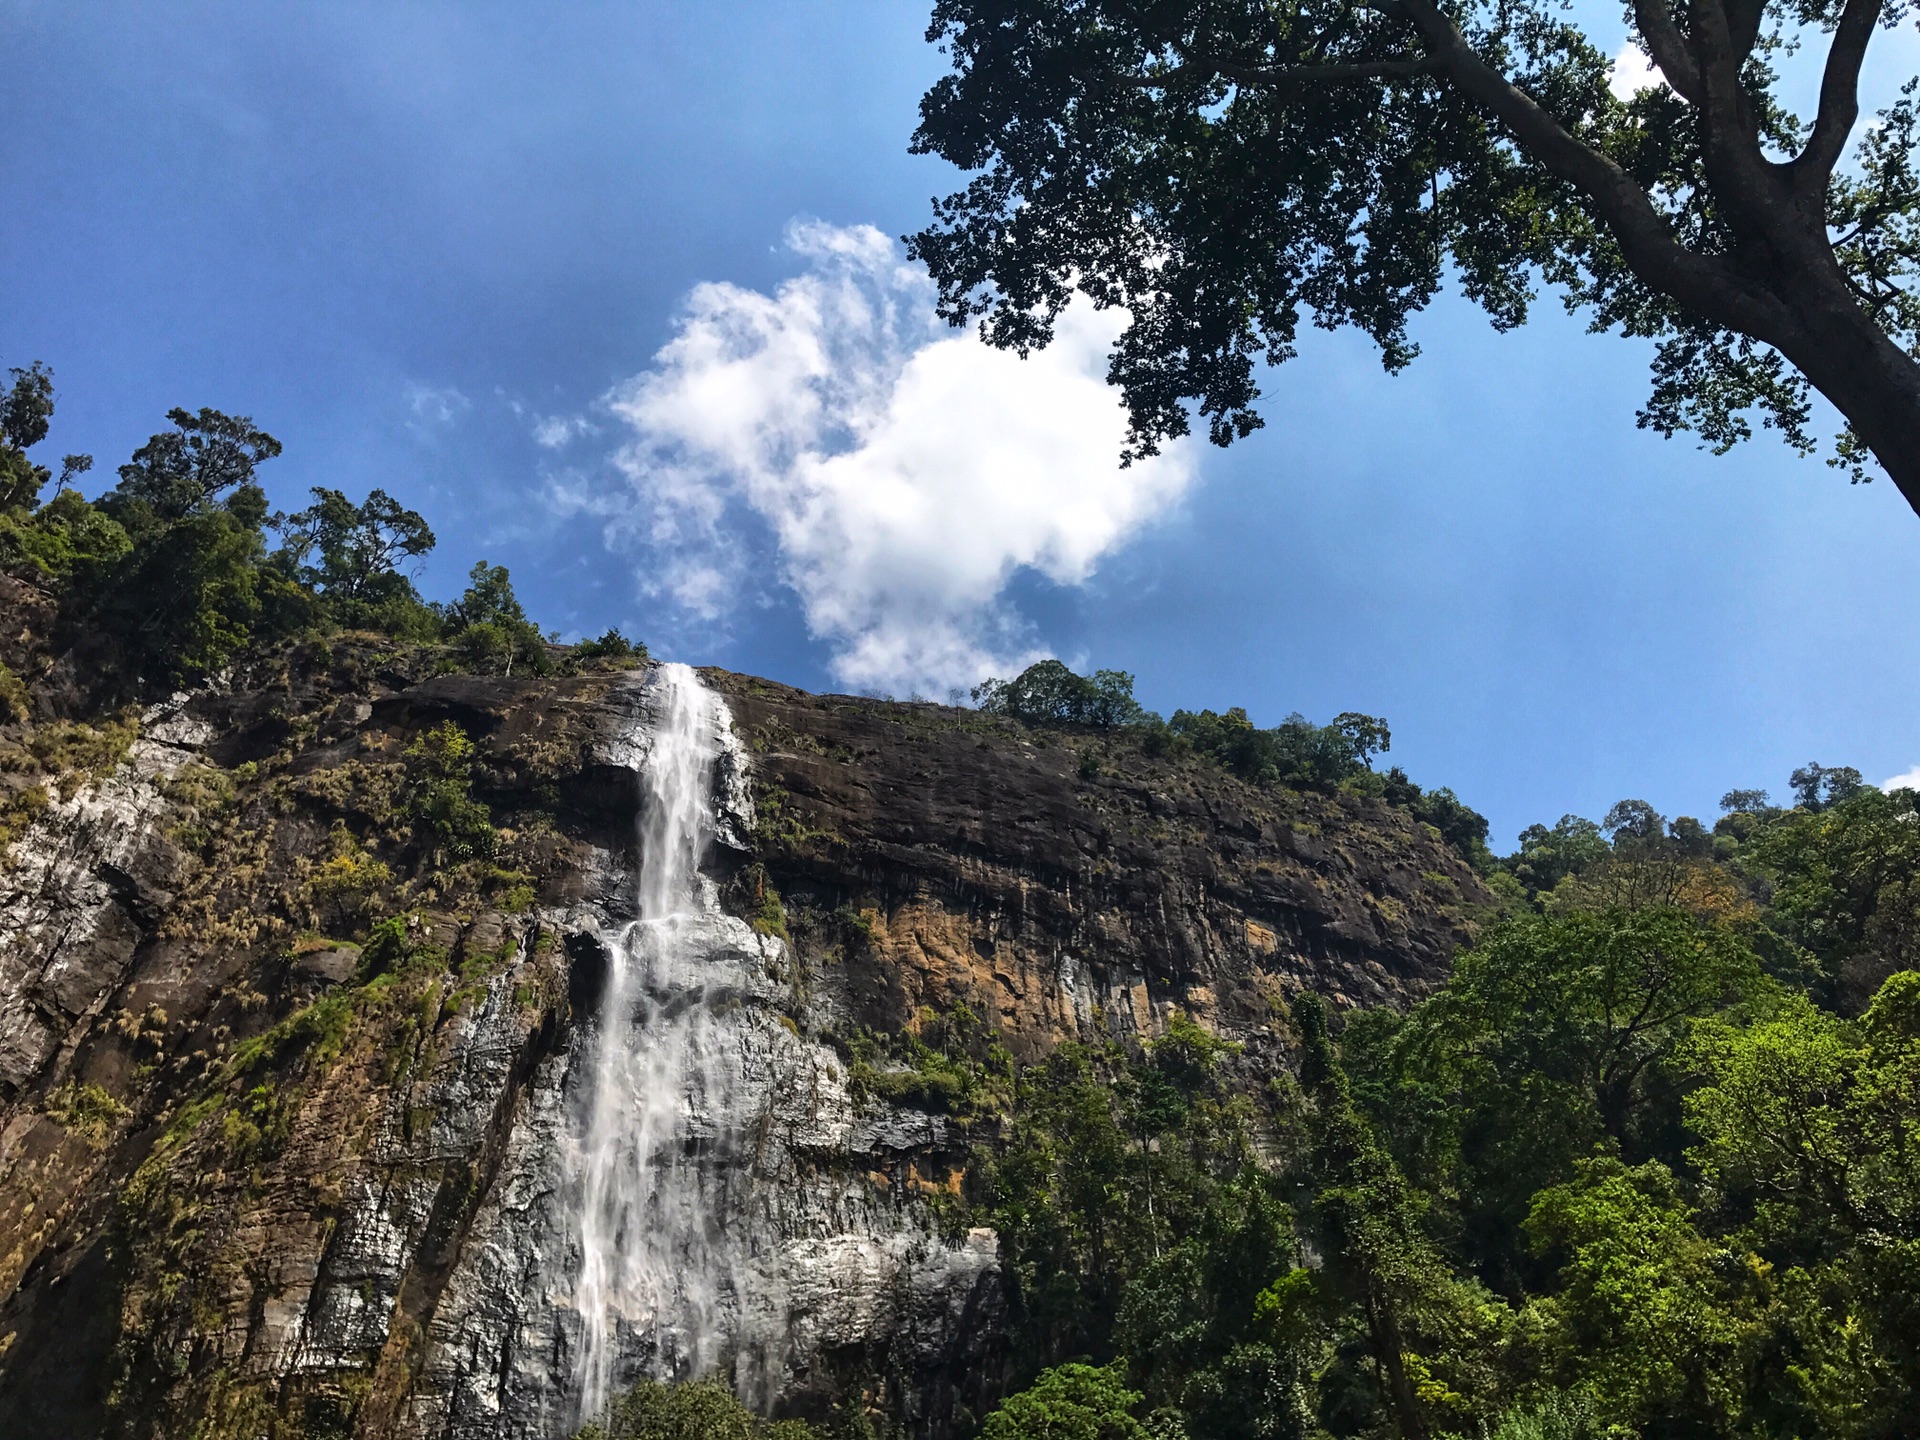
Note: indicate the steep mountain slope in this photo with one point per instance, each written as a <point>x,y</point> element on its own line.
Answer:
<point>292,986</point>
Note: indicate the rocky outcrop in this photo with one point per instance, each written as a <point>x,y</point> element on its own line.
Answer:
<point>269,1169</point>
<point>1063,883</point>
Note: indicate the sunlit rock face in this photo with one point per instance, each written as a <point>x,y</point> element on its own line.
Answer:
<point>594,1128</point>
<point>690,1193</point>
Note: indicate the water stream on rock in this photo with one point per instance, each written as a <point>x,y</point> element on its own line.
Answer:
<point>666,1285</point>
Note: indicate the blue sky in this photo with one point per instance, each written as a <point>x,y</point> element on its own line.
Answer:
<point>412,240</point>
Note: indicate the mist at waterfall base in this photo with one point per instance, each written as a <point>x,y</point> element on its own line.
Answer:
<point>668,1288</point>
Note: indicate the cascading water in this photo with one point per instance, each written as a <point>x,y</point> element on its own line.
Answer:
<point>667,1286</point>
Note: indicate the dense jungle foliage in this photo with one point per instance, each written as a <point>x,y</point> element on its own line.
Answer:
<point>1648,1165</point>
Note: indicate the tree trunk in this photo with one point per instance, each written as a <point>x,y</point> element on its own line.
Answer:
<point>1389,1349</point>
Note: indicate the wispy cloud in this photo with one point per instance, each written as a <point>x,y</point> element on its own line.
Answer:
<point>900,473</point>
<point>435,407</point>
<point>1909,781</point>
<point>556,432</point>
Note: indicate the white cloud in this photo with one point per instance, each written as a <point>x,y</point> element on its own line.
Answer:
<point>1632,72</point>
<point>1908,781</point>
<point>902,472</point>
<point>435,408</point>
<point>556,432</point>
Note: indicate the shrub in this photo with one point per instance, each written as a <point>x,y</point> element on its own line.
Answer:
<point>439,795</point>
<point>611,646</point>
<point>1069,1402</point>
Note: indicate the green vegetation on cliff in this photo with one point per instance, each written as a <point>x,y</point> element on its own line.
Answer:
<point>169,577</point>
<point>1647,1165</point>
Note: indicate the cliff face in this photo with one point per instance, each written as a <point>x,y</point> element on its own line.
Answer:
<point>287,1084</point>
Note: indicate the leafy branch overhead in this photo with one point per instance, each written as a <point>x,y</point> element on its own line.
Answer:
<point>1224,169</point>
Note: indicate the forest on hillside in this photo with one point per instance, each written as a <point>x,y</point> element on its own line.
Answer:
<point>1648,1164</point>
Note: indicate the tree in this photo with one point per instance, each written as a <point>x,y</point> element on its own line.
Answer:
<point>1071,1402</point>
<point>438,796</point>
<point>1552,1036</point>
<point>359,547</point>
<point>1367,1220</point>
<point>1846,888</point>
<point>191,589</point>
<point>700,1410</point>
<point>1815,787</point>
<point>1645,1318</point>
<point>1222,168</point>
<point>184,471</point>
<point>491,628</point>
<point>26,412</point>
<point>1633,823</point>
<point>1574,846</point>
<point>1048,693</point>
<point>1812,1126</point>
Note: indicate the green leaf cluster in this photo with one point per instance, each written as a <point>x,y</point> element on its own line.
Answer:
<point>438,797</point>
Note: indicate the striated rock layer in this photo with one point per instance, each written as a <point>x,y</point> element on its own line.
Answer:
<point>267,1169</point>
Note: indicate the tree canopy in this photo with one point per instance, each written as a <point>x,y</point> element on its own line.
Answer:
<point>1225,169</point>
<point>1613,1178</point>
<point>169,576</point>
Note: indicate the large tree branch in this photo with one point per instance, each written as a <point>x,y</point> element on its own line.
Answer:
<point>1744,18</point>
<point>1839,94</point>
<point>1750,191</point>
<point>1668,48</point>
<point>1730,124</point>
<point>1702,283</point>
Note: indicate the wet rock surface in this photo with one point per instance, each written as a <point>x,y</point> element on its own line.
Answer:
<point>253,1183</point>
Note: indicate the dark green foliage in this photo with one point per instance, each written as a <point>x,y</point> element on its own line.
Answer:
<point>1109,1161</point>
<point>439,796</point>
<point>167,579</point>
<point>163,581</point>
<point>26,414</point>
<point>1071,1402</point>
<point>1815,787</point>
<point>1846,888</point>
<point>351,555</point>
<point>1048,693</point>
<point>1612,1179</point>
<point>1294,752</point>
<point>65,535</point>
<point>184,471</point>
<point>1458,822</point>
<point>610,646</point>
<point>952,1065</point>
<point>1553,1037</point>
<point>192,590</point>
<point>489,628</point>
<point>358,549</point>
<point>700,1410</point>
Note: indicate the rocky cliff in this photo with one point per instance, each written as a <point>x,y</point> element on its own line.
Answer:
<point>289,1060</point>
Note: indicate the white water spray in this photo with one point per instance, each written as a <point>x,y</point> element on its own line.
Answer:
<point>666,1284</point>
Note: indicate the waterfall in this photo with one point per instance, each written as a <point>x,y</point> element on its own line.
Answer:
<point>667,1286</point>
